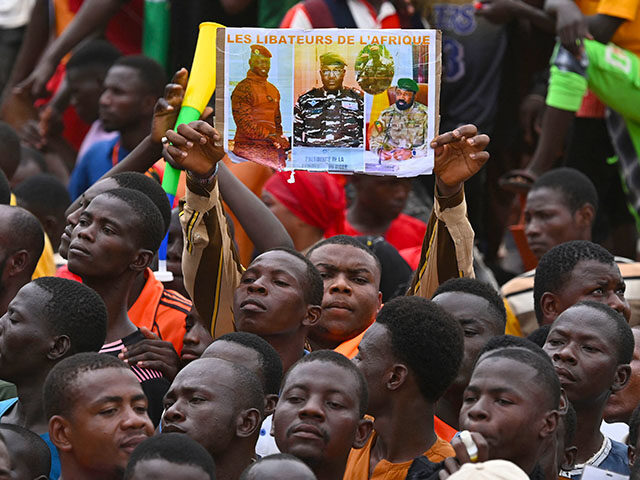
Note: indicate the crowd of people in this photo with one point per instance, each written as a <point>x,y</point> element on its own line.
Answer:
<point>320,326</point>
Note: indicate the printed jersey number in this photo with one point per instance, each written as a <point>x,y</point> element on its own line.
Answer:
<point>453,53</point>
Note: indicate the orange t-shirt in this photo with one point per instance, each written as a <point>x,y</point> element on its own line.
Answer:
<point>350,348</point>
<point>358,462</point>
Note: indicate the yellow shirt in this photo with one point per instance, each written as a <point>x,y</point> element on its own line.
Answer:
<point>46,266</point>
<point>628,34</point>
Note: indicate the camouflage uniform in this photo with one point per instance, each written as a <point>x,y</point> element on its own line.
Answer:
<point>328,119</point>
<point>397,128</point>
<point>255,104</point>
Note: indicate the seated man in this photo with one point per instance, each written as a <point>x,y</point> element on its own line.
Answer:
<point>561,207</point>
<point>275,467</point>
<point>574,271</point>
<point>170,456</point>
<point>320,415</point>
<point>115,239</point>
<point>97,415</point>
<point>260,357</point>
<point>30,455</point>
<point>21,244</point>
<point>49,319</point>
<point>591,346</point>
<point>409,357</point>
<point>480,311</point>
<point>220,405</point>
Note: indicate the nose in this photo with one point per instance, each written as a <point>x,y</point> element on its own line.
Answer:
<point>339,284</point>
<point>135,419</point>
<point>174,413</point>
<point>105,98</point>
<point>565,354</point>
<point>619,304</point>
<point>83,232</point>
<point>531,227</point>
<point>478,411</point>
<point>257,286</point>
<point>312,408</point>
<point>72,218</point>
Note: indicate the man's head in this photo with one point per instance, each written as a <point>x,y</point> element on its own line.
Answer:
<point>260,61</point>
<point>591,346</point>
<point>561,206</point>
<point>574,271</point>
<point>480,311</point>
<point>86,71</point>
<point>118,233</point>
<point>131,88</point>
<point>632,439</point>
<point>406,92</point>
<point>47,198</point>
<point>170,456</point>
<point>32,163</point>
<point>332,70</point>
<point>275,467</point>
<point>132,180</point>
<point>320,413</point>
<point>175,243</point>
<point>280,293</point>
<point>217,403</point>
<point>97,414</point>
<point>49,319</point>
<point>10,148</point>
<point>512,399</point>
<point>383,198</point>
<point>21,244</point>
<point>622,403</point>
<point>197,337</point>
<point>257,355</point>
<point>413,349</point>
<point>351,277</point>
<point>30,455</point>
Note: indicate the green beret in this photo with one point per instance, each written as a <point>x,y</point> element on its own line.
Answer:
<point>260,51</point>
<point>408,84</point>
<point>331,58</point>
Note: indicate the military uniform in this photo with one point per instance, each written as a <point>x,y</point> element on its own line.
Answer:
<point>397,128</point>
<point>255,104</point>
<point>329,119</point>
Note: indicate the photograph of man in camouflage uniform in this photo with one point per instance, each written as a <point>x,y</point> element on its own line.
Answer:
<point>400,133</point>
<point>255,104</point>
<point>331,116</point>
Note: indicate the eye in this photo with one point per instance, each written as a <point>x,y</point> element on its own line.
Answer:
<point>503,402</point>
<point>553,342</point>
<point>295,399</point>
<point>248,280</point>
<point>83,222</point>
<point>598,291</point>
<point>360,280</point>
<point>281,283</point>
<point>108,231</point>
<point>469,398</point>
<point>324,275</point>
<point>335,405</point>
<point>141,409</point>
<point>196,400</point>
<point>167,404</point>
<point>107,412</point>
<point>590,349</point>
<point>470,333</point>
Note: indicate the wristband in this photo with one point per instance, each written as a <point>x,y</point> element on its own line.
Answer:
<point>203,181</point>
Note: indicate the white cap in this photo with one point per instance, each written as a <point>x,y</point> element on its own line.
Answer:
<point>490,470</point>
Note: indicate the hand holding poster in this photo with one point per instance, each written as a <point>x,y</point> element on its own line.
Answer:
<point>349,101</point>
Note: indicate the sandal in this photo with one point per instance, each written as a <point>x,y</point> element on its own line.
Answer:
<point>517,181</point>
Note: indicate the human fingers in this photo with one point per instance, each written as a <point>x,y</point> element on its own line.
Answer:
<point>182,137</point>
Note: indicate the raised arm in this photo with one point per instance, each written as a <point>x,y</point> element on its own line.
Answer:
<point>447,250</point>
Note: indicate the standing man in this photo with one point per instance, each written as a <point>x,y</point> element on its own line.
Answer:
<point>331,116</point>
<point>400,133</point>
<point>255,104</point>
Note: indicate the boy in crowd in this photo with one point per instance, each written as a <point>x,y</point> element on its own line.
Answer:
<point>275,467</point>
<point>220,405</point>
<point>320,415</point>
<point>409,357</point>
<point>170,456</point>
<point>97,415</point>
<point>30,455</point>
<point>591,346</point>
<point>49,319</point>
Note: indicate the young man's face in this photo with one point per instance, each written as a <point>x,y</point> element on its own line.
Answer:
<point>161,469</point>
<point>351,292</point>
<point>104,242</point>
<point>621,404</point>
<point>93,191</point>
<point>384,196</point>
<point>122,102</point>
<point>505,404</point>
<point>479,324</point>
<point>85,85</point>
<point>196,338</point>
<point>108,419</point>
<point>317,417</point>
<point>582,346</point>
<point>175,243</point>
<point>373,360</point>
<point>201,403</point>
<point>593,280</point>
<point>25,339</point>
<point>332,77</point>
<point>548,221</point>
<point>270,299</point>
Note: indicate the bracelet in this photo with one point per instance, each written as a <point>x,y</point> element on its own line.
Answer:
<point>206,180</point>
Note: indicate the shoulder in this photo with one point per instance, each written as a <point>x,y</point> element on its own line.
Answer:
<point>313,93</point>
<point>175,301</point>
<point>421,107</point>
<point>617,460</point>
<point>103,147</point>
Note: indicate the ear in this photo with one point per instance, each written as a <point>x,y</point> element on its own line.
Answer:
<point>397,376</point>
<point>563,404</point>
<point>569,458</point>
<point>60,433</point>
<point>549,306</point>
<point>16,263</point>
<point>365,427</point>
<point>59,348</point>
<point>270,402</point>
<point>379,302</point>
<point>142,260</point>
<point>584,216</point>
<point>631,454</point>
<point>313,315</point>
<point>248,422</point>
<point>623,374</point>
<point>550,424</point>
